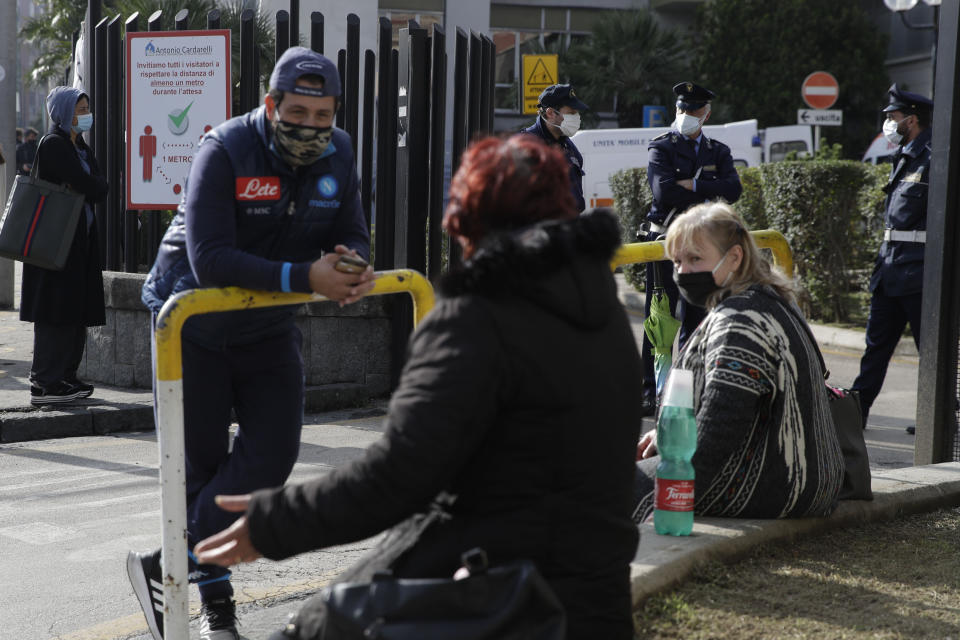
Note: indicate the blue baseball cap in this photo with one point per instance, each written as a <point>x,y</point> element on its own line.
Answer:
<point>300,61</point>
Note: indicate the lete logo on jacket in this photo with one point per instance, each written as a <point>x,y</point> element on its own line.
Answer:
<point>258,188</point>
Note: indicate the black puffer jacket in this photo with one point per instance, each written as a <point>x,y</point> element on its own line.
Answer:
<point>519,397</point>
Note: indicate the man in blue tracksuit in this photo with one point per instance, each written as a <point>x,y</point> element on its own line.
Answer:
<point>559,109</point>
<point>271,203</point>
<point>897,279</point>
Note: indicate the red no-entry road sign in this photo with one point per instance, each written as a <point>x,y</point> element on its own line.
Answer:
<point>820,90</point>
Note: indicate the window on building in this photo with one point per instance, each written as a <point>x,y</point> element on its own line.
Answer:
<point>521,30</point>
<point>426,13</point>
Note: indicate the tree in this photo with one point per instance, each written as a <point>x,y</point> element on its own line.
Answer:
<point>755,55</point>
<point>52,32</point>
<point>628,56</point>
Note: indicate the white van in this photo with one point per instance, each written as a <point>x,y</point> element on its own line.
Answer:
<point>606,151</point>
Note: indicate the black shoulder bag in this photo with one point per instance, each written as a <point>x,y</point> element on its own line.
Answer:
<point>39,221</point>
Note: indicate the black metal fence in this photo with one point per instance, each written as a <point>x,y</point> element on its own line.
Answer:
<point>400,109</point>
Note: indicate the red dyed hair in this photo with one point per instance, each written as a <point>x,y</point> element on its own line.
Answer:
<point>506,184</point>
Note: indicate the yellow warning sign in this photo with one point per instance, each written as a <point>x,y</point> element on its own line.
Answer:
<point>539,72</point>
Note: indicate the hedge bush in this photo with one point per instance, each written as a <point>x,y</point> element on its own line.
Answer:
<point>831,213</point>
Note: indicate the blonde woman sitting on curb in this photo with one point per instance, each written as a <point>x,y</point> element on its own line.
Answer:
<point>766,444</point>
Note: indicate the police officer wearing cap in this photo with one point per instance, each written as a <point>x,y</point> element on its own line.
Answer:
<point>897,278</point>
<point>271,203</point>
<point>559,118</point>
<point>684,168</point>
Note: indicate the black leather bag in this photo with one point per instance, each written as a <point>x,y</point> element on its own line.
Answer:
<point>508,602</point>
<point>848,420</point>
<point>39,221</point>
<point>847,417</point>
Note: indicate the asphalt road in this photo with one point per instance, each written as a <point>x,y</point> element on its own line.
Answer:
<point>70,510</point>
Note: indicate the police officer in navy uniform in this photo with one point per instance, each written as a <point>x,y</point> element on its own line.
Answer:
<point>898,274</point>
<point>558,120</point>
<point>685,168</point>
<point>272,202</point>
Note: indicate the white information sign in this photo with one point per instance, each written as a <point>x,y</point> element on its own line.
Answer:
<point>825,117</point>
<point>178,88</point>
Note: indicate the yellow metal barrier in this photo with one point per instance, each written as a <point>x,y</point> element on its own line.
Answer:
<point>169,390</point>
<point>654,251</point>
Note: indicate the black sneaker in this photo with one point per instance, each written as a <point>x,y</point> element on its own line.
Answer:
<point>218,620</point>
<point>146,576</point>
<point>60,393</point>
<point>85,390</point>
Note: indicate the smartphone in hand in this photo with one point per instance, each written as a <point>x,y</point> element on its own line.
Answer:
<point>350,264</point>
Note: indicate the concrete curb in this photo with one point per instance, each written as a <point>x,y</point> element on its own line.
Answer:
<point>662,562</point>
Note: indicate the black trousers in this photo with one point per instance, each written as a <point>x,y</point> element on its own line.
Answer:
<point>57,352</point>
<point>888,317</point>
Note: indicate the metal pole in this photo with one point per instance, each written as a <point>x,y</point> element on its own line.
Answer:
<point>282,42</point>
<point>342,70</point>
<point>316,32</point>
<point>937,382</point>
<point>248,67</point>
<point>386,151</point>
<point>486,57</point>
<point>181,21</point>
<point>366,150</point>
<point>474,123</point>
<point>114,121</point>
<point>438,123</point>
<point>294,23</point>
<point>130,218</point>
<point>8,113</point>
<point>459,128</point>
<point>213,19</point>
<point>100,142</point>
<point>351,103</point>
<point>154,232</point>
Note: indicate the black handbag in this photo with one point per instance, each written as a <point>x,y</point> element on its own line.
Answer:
<point>847,417</point>
<point>507,602</point>
<point>848,420</point>
<point>39,221</point>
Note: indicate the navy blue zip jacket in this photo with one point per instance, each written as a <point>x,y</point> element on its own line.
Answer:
<point>570,150</point>
<point>247,219</point>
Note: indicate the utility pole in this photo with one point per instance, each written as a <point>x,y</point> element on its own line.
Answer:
<point>8,116</point>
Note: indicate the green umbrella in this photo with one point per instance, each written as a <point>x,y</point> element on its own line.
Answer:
<point>661,328</point>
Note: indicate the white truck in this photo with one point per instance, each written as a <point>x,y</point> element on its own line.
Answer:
<point>606,151</point>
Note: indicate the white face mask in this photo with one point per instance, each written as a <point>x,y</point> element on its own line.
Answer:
<point>570,123</point>
<point>688,124</point>
<point>890,131</point>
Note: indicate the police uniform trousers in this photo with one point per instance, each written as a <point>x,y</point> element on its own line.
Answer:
<point>690,317</point>
<point>888,317</point>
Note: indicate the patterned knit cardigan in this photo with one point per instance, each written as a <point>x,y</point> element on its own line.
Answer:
<point>766,444</point>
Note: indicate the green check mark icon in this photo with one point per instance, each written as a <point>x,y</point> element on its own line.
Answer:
<point>177,120</point>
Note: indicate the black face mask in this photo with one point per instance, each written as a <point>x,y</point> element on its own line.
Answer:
<point>696,287</point>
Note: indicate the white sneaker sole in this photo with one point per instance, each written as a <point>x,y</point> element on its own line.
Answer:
<point>148,592</point>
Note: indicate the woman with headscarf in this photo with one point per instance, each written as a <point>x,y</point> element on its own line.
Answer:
<point>62,304</point>
<point>518,398</point>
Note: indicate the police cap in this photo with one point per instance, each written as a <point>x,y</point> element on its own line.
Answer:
<point>906,102</point>
<point>560,95</point>
<point>691,97</point>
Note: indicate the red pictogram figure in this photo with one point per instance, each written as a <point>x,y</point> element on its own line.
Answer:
<point>148,149</point>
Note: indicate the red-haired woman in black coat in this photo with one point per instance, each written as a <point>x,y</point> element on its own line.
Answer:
<point>519,397</point>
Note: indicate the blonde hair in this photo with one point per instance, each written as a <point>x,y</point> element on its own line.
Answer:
<point>721,226</point>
